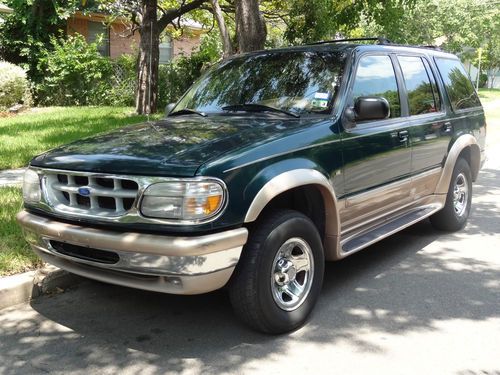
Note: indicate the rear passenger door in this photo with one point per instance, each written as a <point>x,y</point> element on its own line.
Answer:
<point>430,131</point>
<point>465,112</point>
<point>376,153</point>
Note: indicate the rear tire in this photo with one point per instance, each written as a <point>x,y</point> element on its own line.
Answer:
<point>456,211</point>
<point>279,276</point>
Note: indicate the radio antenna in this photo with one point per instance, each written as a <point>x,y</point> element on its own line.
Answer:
<point>150,71</point>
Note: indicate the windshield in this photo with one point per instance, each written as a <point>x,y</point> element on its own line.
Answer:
<point>297,82</point>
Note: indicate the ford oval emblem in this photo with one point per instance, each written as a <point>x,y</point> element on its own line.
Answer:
<point>84,191</point>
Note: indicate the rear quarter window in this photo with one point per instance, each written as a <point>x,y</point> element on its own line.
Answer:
<point>458,85</point>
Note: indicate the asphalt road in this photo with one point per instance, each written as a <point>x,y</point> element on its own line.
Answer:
<point>420,302</point>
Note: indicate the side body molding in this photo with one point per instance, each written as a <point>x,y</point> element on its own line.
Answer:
<point>462,142</point>
<point>302,177</point>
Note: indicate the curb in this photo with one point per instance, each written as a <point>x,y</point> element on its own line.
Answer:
<point>23,287</point>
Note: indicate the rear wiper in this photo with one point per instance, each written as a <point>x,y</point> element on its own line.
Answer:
<point>254,107</point>
<point>187,111</point>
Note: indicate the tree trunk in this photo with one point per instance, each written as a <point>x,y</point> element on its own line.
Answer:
<point>224,34</point>
<point>146,99</point>
<point>250,26</point>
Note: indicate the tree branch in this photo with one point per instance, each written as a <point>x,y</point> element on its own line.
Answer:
<point>171,14</point>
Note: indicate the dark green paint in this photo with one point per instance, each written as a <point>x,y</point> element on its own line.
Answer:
<point>248,150</point>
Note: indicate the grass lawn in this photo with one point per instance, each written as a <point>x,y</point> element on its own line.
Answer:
<point>40,129</point>
<point>489,95</point>
<point>15,254</point>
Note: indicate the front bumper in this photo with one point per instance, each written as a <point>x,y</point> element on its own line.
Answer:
<point>178,265</point>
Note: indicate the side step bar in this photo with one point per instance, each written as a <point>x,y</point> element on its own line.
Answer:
<point>360,240</point>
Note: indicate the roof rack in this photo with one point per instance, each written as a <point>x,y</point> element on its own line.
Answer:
<point>437,48</point>
<point>379,40</point>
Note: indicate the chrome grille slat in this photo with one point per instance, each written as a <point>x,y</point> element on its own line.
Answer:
<point>105,195</point>
<point>96,190</point>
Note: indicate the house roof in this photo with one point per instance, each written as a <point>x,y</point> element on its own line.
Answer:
<point>5,9</point>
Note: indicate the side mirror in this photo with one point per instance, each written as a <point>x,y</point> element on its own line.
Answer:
<point>369,108</point>
<point>169,108</point>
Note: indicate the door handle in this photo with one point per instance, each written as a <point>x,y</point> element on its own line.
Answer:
<point>447,128</point>
<point>403,135</point>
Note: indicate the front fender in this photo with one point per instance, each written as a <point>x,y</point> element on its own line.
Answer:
<point>279,178</point>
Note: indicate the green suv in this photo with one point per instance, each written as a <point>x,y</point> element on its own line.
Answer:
<point>272,163</point>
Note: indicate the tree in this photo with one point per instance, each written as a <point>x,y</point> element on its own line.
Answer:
<point>28,30</point>
<point>455,24</point>
<point>227,46</point>
<point>144,17</point>
<point>148,60</point>
<point>314,20</point>
<point>250,26</point>
<point>491,59</point>
<point>151,17</point>
<point>458,26</point>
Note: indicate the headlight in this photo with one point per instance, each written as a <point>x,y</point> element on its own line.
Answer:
<point>179,200</point>
<point>31,187</point>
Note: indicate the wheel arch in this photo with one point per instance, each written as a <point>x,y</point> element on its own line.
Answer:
<point>465,146</point>
<point>306,180</point>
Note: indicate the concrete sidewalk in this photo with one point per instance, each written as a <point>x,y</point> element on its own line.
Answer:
<point>11,177</point>
<point>25,286</point>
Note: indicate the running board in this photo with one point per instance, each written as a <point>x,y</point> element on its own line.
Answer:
<point>359,241</point>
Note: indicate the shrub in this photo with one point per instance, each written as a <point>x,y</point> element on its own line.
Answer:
<point>75,73</point>
<point>14,86</point>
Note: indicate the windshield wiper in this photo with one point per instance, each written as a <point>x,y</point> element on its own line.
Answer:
<point>255,107</point>
<point>187,111</point>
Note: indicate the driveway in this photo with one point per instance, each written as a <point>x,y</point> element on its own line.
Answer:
<point>420,302</point>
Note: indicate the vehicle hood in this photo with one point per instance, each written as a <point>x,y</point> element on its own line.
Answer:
<point>176,146</point>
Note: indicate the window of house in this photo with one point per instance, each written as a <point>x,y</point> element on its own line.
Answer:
<point>418,85</point>
<point>375,77</point>
<point>165,50</point>
<point>94,30</point>
<point>458,85</point>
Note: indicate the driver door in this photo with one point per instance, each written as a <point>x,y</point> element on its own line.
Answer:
<point>376,154</point>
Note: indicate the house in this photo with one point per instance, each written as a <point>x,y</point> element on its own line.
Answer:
<point>117,40</point>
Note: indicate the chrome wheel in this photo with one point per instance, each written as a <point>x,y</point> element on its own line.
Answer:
<point>460,194</point>
<point>292,274</point>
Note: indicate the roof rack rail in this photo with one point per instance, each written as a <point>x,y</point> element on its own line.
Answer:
<point>437,48</point>
<point>379,40</point>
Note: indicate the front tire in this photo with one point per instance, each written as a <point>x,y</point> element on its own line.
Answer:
<point>456,211</point>
<point>279,276</point>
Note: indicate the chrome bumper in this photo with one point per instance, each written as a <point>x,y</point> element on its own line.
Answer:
<point>178,265</point>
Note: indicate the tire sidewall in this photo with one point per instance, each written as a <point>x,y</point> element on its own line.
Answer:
<point>303,228</point>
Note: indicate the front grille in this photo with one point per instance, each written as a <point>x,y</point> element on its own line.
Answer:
<point>85,253</point>
<point>93,194</point>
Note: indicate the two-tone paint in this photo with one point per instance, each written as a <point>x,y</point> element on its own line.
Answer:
<point>364,174</point>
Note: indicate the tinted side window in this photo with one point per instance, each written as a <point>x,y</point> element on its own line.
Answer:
<point>435,90</point>
<point>458,86</point>
<point>418,85</point>
<point>375,77</point>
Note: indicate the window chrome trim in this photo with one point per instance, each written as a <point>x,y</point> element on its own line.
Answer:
<point>132,216</point>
